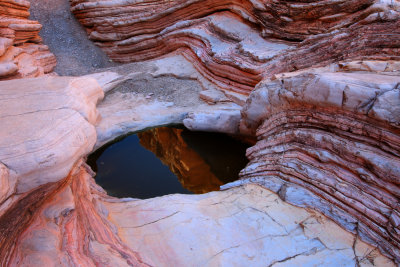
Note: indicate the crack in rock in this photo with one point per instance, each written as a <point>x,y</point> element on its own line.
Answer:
<point>163,218</point>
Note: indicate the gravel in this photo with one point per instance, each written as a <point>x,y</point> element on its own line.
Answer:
<point>67,39</point>
<point>77,56</point>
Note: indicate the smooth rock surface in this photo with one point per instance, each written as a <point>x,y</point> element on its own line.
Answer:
<point>42,138</point>
<point>250,226</point>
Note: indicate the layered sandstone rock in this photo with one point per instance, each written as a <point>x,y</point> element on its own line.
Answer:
<point>72,215</point>
<point>329,138</point>
<point>55,214</point>
<point>225,48</point>
<point>22,53</point>
<point>42,144</point>
<point>330,141</point>
<point>236,43</point>
<point>292,20</point>
<point>372,38</point>
<point>57,114</point>
<point>46,127</point>
<point>96,230</point>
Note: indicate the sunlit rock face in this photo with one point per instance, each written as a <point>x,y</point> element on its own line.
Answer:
<point>328,137</point>
<point>247,225</point>
<point>236,43</point>
<point>47,208</point>
<point>69,213</point>
<point>57,114</point>
<point>22,53</point>
<point>331,141</point>
<point>47,124</point>
<point>53,213</point>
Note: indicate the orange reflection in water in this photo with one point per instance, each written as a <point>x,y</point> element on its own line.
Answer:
<point>190,168</point>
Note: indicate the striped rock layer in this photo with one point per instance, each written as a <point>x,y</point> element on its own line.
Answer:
<point>236,43</point>
<point>328,138</point>
<point>22,53</point>
<point>330,141</point>
<point>52,213</point>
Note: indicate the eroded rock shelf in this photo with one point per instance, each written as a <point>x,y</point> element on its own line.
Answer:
<point>22,53</point>
<point>314,86</point>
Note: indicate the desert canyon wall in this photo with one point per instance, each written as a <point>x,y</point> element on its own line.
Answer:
<point>315,83</point>
<point>236,43</point>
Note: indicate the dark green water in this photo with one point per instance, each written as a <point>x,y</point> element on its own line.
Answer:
<point>127,169</point>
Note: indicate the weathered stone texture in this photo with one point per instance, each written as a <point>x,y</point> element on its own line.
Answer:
<point>57,114</point>
<point>249,225</point>
<point>325,110</point>
<point>63,218</point>
<point>22,53</point>
<point>331,141</point>
<point>236,43</point>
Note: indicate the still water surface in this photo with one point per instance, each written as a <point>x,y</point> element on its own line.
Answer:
<point>168,160</point>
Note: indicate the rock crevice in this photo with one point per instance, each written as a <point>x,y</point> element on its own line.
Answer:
<point>316,82</point>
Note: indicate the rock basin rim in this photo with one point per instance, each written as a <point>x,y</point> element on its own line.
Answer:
<point>314,84</point>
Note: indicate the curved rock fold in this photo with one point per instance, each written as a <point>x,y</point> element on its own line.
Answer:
<point>333,138</point>
<point>316,83</point>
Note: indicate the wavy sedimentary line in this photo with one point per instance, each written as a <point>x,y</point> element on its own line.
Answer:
<point>177,26</point>
<point>335,136</point>
<point>330,30</point>
<point>346,124</point>
<point>226,83</point>
<point>374,38</point>
<point>11,8</point>
<point>20,216</point>
<point>22,53</point>
<point>233,57</point>
<point>118,20</point>
<point>219,57</point>
<point>348,181</point>
<point>307,133</point>
<point>63,223</point>
<point>275,143</point>
<point>93,225</point>
<point>282,19</point>
<point>297,20</point>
